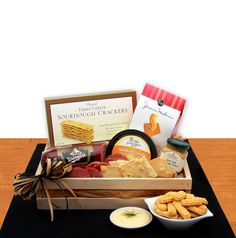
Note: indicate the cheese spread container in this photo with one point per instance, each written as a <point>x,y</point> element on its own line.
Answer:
<point>175,152</point>
<point>132,143</point>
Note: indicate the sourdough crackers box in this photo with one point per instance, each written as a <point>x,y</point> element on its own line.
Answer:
<point>157,114</point>
<point>88,118</point>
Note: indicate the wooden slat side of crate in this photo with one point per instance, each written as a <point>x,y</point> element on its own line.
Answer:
<point>91,203</point>
<point>126,183</point>
<point>123,183</point>
<point>161,185</point>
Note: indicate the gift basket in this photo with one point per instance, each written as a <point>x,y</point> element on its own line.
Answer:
<point>106,151</point>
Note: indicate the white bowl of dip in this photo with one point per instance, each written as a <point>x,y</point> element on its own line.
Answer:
<point>130,217</point>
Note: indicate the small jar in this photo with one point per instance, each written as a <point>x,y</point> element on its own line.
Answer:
<point>175,152</point>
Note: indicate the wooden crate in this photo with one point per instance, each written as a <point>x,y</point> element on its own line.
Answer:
<point>139,187</point>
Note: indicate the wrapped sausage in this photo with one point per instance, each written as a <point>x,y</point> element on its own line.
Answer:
<point>78,154</point>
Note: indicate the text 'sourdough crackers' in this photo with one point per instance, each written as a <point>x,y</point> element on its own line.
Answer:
<point>157,114</point>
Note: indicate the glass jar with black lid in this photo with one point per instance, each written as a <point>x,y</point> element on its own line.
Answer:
<point>175,152</point>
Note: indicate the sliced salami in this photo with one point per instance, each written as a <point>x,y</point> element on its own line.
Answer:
<point>116,157</point>
<point>96,165</point>
<point>94,173</point>
<point>78,172</point>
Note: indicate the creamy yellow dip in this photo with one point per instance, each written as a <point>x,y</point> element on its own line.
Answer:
<point>131,218</point>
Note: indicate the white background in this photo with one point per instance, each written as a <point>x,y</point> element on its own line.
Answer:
<point>54,48</point>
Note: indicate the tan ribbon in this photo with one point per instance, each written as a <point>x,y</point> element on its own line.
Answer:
<point>26,186</point>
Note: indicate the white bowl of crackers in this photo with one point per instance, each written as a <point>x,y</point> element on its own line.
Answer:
<point>178,210</point>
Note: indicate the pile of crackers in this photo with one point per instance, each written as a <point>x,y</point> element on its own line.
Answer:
<point>132,168</point>
<point>180,205</point>
<point>137,168</point>
<point>77,130</point>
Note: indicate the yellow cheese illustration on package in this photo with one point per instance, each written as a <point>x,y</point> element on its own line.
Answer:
<point>152,128</point>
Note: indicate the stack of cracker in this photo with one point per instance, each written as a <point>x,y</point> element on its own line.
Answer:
<point>77,130</point>
<point>132,168</point>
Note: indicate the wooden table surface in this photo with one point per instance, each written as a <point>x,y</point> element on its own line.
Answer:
<point>217,157</point>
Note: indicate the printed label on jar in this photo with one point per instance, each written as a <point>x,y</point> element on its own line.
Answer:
<point>174,160</point>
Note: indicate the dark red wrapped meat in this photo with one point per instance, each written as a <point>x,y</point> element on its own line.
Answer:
<point>77,154</point>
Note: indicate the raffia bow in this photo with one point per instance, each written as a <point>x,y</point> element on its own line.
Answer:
<point>26,186</point>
